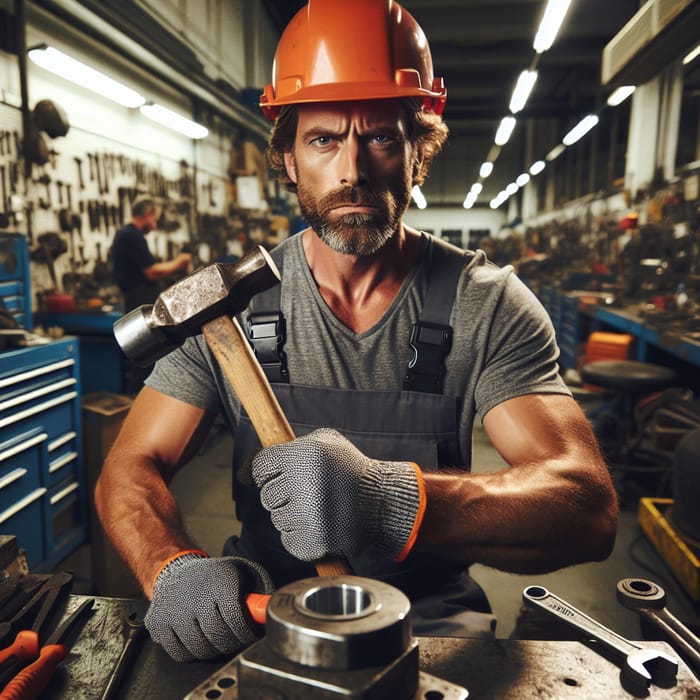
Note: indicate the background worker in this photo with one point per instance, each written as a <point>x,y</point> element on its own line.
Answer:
<point>393,343</point>
<point>137,273</point>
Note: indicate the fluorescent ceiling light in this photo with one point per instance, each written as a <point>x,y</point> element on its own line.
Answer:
<point>486,169</point>
<point>174,121</point>
<point>476,188</point>
<point>418,197</point>
<point>691,55</point>
<point>549,26</point>
<point>512,188</point>
<point>620,95</point>
<point>522,179</point>
<point>537,167</point>
<point>76,72</point>
<point>522,90</point>
<point>555,152</point>
<point>469,200</point>
<point>505,129</point>
<point>582,128</point>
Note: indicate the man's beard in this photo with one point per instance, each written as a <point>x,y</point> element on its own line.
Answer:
<point>354,234</point>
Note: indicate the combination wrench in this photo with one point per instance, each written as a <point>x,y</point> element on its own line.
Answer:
<point>641,665</point>
<point>649,600</point>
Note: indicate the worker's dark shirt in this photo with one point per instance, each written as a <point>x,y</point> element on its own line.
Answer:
<point>130,257</point>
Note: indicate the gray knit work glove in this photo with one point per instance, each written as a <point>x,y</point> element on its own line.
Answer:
<point>198,609</point>
<point>326,497</point>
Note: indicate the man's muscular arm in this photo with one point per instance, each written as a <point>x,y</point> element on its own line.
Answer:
<point>134,504</point>
<point>552,507</point>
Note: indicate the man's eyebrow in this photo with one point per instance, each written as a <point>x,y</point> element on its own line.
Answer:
<point>315,131</point>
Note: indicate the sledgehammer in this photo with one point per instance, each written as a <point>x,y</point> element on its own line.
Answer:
<point>206,301</point>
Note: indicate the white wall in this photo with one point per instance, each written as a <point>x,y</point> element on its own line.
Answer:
<point>439,219</point>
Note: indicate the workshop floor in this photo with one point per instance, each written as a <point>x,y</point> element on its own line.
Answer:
<point>203,490</point>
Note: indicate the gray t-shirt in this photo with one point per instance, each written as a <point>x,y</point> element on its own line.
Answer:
<point>503,343</point>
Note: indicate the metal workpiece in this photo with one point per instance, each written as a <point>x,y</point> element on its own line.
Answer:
<point>339,622</point>
<point>331,637</point>
<point>648,599</point>
<point>641,665</point>
<point>152,331</point>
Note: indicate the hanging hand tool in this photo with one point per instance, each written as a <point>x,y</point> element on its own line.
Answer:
<point>205,302</point>
<point>27,642</point>
<point>30,682</point>
<point>649,600</point>
<point>79,166</point>
<point>641,665</point>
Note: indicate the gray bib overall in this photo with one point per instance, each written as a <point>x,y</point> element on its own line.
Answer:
<point>415,423</point>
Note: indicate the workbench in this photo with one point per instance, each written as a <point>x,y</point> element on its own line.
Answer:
<point>486,668</point>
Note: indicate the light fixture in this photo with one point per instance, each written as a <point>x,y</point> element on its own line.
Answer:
<point>174,121</point>
<point>555,152</point>
<point>549,26</point>
<point>522,90</point>
<point>620,95</point>
<point>486,169</point>
<point>57,62</point>
<point>469,200</point>
<point>512,188</point>
<point>537,167</point>
<point>505,129</point>
<point>418,197</point>
<point>691,55</point>
<point>476,188</point>
<point>522,179</point>
<point>582,128</point>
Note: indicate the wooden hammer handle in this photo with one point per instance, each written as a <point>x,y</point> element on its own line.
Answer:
<point>228,343</point>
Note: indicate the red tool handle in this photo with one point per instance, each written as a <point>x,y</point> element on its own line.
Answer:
<point>257,606</point>
<point>29,684</point>
<point>24,648</point>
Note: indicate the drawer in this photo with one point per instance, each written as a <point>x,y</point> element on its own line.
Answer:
<point>67,519</point>
<point>50,407</point>
<point>11,288</point>
<point>21,465</point>
<point>62,458</point>
<point>26,520</point>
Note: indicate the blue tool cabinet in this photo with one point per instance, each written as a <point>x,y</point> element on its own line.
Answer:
<point>42,482</point>
<point>14,278</point>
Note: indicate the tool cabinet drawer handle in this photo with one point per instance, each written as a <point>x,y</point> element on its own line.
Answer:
<point>22,446</point>
<point>56,498</point>
<point>46,369</point>
<point>12,476</point>
<point>22,504</point>
<point>37,409</point>
<point>57,464</point>
<point>62,440</point>
<point>31,395</point>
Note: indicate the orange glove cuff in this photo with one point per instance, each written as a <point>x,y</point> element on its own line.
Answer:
<point>175,556</point>
<point>422,502</point>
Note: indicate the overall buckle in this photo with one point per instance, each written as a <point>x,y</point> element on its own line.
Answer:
<point>430,344</point>
<point>268,333</point>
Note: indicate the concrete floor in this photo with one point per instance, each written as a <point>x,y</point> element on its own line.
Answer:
<point>203,489</point>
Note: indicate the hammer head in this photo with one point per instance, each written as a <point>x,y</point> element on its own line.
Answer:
<point>152,331</point>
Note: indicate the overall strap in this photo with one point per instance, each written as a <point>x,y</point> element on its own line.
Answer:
<point>431,337</point>
<point>267,332</point>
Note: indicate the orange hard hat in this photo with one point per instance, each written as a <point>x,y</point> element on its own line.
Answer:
<point>342,50</point>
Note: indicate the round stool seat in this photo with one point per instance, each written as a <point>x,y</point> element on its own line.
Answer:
<point>628,375</point>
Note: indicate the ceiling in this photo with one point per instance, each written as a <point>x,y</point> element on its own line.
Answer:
<point>480,47</point>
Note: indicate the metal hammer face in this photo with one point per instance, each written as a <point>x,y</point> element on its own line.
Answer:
<point>152,331</point>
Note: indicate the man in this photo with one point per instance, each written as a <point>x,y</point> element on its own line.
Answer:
<point>392,342</point>
<point>136,271</point>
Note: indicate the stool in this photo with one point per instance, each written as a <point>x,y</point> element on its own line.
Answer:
<point>615,422</point>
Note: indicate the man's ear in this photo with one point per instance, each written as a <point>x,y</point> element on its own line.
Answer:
<point>290,166</point>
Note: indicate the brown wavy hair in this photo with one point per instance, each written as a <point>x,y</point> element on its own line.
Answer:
<point>426,130</point>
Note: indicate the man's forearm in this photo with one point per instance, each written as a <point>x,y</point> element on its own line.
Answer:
<point>140,516</point>
<point>527,519</point>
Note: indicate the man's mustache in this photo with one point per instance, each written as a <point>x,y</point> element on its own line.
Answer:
<point>354,196</point>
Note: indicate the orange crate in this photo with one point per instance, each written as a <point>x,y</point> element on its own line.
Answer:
<point>607,346</point>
